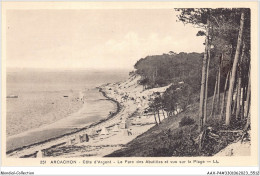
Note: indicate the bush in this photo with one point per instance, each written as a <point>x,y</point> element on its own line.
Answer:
<point>186,121</point>
<point>177,142</point>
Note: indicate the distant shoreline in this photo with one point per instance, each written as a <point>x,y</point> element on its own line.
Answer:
<point>118,109</point>
<point>119,106</point>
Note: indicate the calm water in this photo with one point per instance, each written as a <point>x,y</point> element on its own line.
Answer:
<point>94,109</point>
<point>33,80</point>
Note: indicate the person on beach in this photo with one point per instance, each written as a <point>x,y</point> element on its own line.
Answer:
<point>129,132</point>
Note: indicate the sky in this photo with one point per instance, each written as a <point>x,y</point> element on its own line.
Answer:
<point>72,39</point>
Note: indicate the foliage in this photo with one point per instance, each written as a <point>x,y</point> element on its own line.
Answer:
<point>186,120</point>
<point>181,141</point>
<point>227,31</point>
<point>224,27</point>
<point>177,97</point>
<point>177,142</point>
<point>161,70</point>
<point>167,139</point>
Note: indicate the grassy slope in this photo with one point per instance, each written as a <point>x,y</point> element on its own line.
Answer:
<point>168,139</point>
<point>155,139</point>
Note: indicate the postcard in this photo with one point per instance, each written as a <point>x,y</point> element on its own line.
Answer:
<point>129,84</point>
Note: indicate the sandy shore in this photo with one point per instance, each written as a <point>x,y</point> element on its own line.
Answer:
<point>108,135</point>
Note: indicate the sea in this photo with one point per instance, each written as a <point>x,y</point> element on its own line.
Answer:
<point>95,108</point>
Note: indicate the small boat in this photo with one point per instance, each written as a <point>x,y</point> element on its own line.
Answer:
<point>12,96</point>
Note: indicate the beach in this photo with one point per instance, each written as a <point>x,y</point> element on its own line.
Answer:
<point>107,135</point>
<point>45,104</point>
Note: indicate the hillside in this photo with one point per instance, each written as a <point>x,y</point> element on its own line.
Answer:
<point>169,139</point>
<point>179,134</point>
<point>161,70</point>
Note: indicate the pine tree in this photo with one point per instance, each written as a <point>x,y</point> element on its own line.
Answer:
<point>234,69</point>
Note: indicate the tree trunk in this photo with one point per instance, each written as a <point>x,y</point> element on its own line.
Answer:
<point>242,92</point>
<point>159,117</point>
<point>203,78</point>
<point>248,96</point>
<point>239,74</point>
<point>206,89</point>
<point>163,114</point>
<point>238,95</point>
<point>218,88</point>
<point>243,103</point>
<point>155,118</point>
<point>244,85</point>
<point>248,120</point>
<point>213,99</point>
<point>233,73</point>
<point>223,99</point>
<point>234,104</point>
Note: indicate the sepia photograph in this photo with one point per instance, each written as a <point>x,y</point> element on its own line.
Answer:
<point>124,82</point>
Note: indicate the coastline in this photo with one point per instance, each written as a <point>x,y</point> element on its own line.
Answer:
<point>118,105</point>
<point>92,125</point>
<point>117,132</point>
